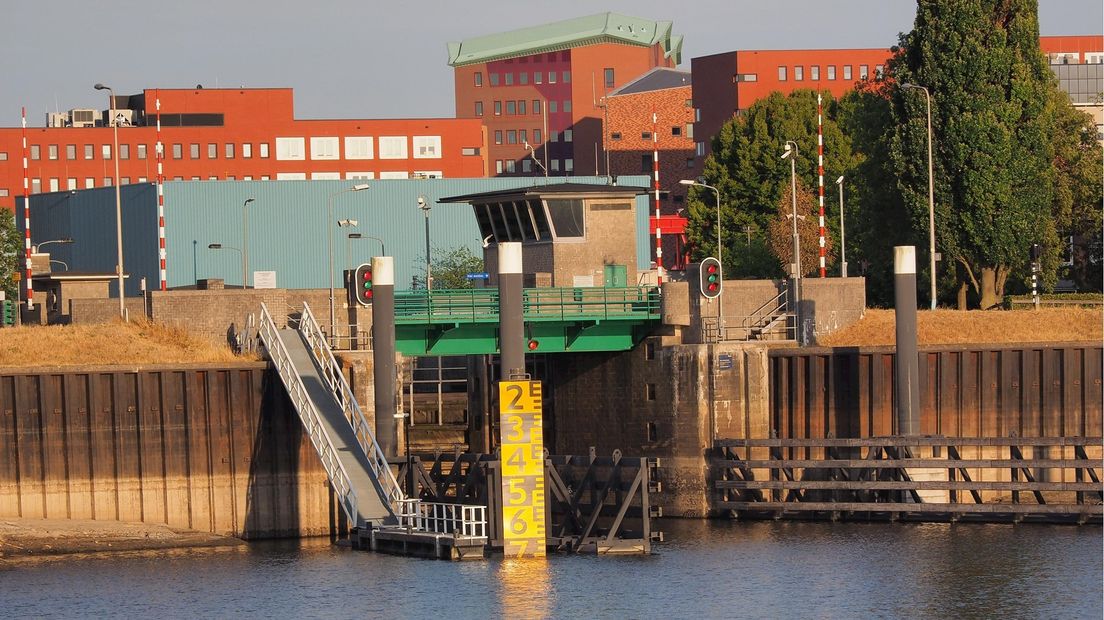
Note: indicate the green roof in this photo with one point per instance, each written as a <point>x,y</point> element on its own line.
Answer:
<point>562,35</point>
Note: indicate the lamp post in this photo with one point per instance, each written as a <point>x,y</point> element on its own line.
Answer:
<point>118,197</point>
<point>424,206</point>
<point>245,242</point>
<point>219,246</point>
<point>351,236</point>
<point>931,192</point>
<point>35,249</point>
<point>533,156</point>
<point>843,237</point>
<point>329,236</point>
<point>791,154</point>
<point>720,293</point>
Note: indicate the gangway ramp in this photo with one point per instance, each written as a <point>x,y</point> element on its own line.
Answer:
<point>356,467</point>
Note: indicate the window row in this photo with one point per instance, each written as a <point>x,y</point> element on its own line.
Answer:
<point>519,107</point>
<point>676,130</point>
<point>510,166</point>
<point>522,78</point>
<point>86,151</point>
<point>814,73</point>
<point>521,136</point>
<point>73,183</point>
<point>358,147</point>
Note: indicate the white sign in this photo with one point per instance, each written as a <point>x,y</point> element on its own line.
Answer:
<point>264,279</point>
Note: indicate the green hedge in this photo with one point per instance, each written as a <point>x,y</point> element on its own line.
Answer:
<point>1090,299</point>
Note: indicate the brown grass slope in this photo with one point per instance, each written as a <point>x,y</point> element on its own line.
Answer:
<point>118,343</point>
<point>992,327</point>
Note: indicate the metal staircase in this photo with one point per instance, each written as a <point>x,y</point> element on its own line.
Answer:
<point>354,463</point>
<point>763,323</point>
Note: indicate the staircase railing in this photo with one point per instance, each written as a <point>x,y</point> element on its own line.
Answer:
<point>339,387</point>
<point>766,316</point>
<point>310,417</point>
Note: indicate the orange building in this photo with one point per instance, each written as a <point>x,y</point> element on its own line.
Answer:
<point>228,134</point>
<point>544,86</point>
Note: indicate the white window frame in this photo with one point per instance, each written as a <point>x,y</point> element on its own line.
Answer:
<point>325,176</point>
<point>360,175</point>
<point>290,149</point>
<point>388,148</point>
<point>359,147</point>
<point>325,148</point>
<point>291,176</point>
<point>427,147</point>
<point>394,174</point>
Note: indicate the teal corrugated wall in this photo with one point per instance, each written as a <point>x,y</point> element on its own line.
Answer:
<point>287,223</point>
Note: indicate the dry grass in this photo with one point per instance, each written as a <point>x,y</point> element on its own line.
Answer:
<point>976,327</point>
<point>134,343</point>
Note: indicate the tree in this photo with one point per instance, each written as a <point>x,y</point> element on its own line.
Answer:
<point>993,124</point>
<point>808,230</point>
<point>746,168</point>
<point>1077,196</point>
<point>450,268</point>
<point>11,246</point>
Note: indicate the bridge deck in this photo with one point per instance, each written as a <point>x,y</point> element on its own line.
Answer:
<point>538,304</point>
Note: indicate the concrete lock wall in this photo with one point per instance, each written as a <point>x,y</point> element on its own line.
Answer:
<point>219,450</point>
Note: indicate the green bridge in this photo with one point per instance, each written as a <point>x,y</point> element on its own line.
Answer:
<point>557,320</point>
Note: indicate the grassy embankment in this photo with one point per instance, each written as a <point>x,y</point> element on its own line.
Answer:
<point>136,342</point>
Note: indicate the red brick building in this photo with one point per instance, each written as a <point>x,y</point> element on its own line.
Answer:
<point>226,134</point>
<point>545,86</point>
<point>655,113</point>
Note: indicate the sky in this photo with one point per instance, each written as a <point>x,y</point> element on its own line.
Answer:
<point>371,59</point>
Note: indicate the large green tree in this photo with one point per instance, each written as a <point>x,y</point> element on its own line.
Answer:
<point>747,169</point>
<point>450,268</point>
<point>993,120</point>
<point>11,247</point>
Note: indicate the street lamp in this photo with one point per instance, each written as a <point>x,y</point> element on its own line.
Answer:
<point>347,223</point>
<point>931,192</point>
<point>533,156</point>
<point>245,241</point>
<point>329,233</point>
<point>424,206</point>
<point>35,249</point>
<point>118,197</point>
<point>791,154</point>
<point>843,237</point>
<point>219,246</point>
<point>720,292</point>
<point>351,236</point>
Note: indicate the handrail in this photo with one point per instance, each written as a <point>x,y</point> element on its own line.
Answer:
<point>460,305</point>
<point>768,310</point>
<point>339,387</point>
<point>308,414</point>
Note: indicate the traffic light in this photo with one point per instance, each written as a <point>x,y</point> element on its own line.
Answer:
<point>8,318</point>
<point>709,275</point>
<point>362,284</point>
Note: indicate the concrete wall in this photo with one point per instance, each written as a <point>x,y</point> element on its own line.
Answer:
<point>211,449</point>
<point>104,310</point>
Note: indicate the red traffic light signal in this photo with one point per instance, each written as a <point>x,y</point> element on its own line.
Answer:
<point>709,277</point>
<point>533,344</point>
<point>362,284</point>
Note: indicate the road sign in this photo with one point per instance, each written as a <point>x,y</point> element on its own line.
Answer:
<point>478,276</point>
<point>522,451</point>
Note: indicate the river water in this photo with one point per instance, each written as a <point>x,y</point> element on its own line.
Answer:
<point>704,570</point>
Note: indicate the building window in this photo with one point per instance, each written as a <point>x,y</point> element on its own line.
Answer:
<point>608,76</point>
<point>498,166</point>
<point>509,79</point>
<point>554,165</point>
<point>89,182</point>
<point>498,136</point>
<point>392,147</point>
<point>699,149</point>
<point>799,73</point>
<point>536,106</point>
<point>193,151</point>
<point>107,181</point>
<point>511,108</point>
<point>36,152</point>
<point>264,153</point>
<point>54,185</point>
<point>124,180</point>
<point>4,192</point>
<point>290,149</point>
<point>676,131</point>
<point>814,72</point>
<point>615,135</point>
<point>847,72</point>
<point>781,74</point>
<point>567,106</point>
<point>864,72</point>
<point>3,156</point>
<point>879,71</point>
<point>569,165</point>
<point>689,162</point>
<point>70,151</point>
<point>212,150</point>
<point>141,151</point>
<point>537,136</point>
<point>52,151</point>
<point>178,151</point>
<point>36,186</point>
<point>325,176</point>
<point>511,137</point>
<point>646,163</point>
<point>494,79</point>
<point>229,150</point>
<point>469,150</point>
<point>552,107</point>
<point>479,108</point>
<point>358,147</point>
<point>653,434</point>
<point>645,135</point>
<point>526,165</point>
<point>124,151</point>
<point>521,106</point>
<point>427,147</point>
<point>523,78</point>
<point>324,147</point>
<point>247,150</point>
<point>567,135</point>
<point>566,77</point>
<point>650,394</point>
<point>551,77</point>
<point>106,151</point>
<point>522,136</point>
<point>498,108</point>
<point>89,153</point>
<point>538,77</point>
<point>690,130</point>
<point>746,77</point>
<point>478,78</point>
<point>831,72</point>
<point>510,166</point>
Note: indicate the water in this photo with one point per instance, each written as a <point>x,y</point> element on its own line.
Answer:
<point>705,570</point>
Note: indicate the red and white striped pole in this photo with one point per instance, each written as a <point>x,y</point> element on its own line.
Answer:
<point>160,195</point>
<point>820,176</point>
<point>655,184</point>
<point>27,216</point>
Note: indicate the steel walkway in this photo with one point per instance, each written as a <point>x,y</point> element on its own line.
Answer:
<point>354,463</point>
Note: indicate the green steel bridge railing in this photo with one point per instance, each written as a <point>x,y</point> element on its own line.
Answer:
<point>538,304</point>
